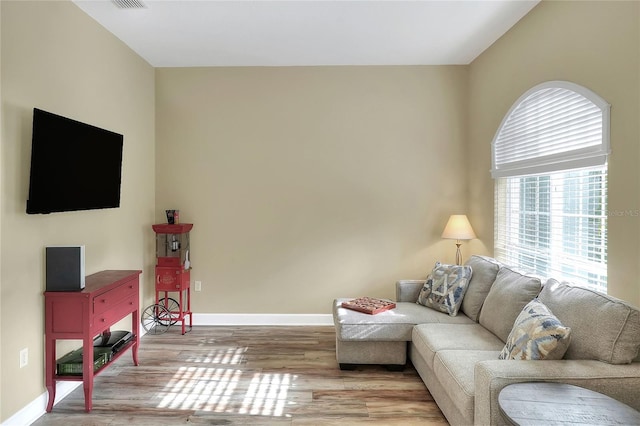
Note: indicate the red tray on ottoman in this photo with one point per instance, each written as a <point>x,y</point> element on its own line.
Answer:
<point>369,305</point>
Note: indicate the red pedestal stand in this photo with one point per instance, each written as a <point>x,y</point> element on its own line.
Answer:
<point>173,271</point>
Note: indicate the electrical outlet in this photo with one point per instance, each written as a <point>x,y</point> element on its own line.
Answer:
<point>198,285</point>
<point>24,357</point>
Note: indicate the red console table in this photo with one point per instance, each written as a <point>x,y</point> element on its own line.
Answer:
<point>108,297</point>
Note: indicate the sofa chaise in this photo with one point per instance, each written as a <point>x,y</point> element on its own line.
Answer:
<point>458,356</point>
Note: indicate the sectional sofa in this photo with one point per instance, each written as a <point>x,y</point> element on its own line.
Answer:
<point>594,341</point>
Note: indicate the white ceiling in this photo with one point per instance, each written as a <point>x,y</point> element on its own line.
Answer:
<point>181,33</point>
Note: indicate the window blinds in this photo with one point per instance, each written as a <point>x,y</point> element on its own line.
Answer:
<point>550,165</point>
<point>553,126</point>
<point>555,225</point>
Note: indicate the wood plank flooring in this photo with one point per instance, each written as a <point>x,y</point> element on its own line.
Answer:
<point>247,376</point>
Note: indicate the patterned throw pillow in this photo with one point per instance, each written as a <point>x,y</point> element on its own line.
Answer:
<point>536,335</point>
<point>445,288</point>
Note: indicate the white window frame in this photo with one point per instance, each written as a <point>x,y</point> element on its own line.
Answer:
<point>516,153</point>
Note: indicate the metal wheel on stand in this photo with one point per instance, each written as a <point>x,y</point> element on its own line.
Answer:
<point>156,319</point>
<point>172,306</point>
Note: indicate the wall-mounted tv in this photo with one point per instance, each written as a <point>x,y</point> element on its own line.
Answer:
<point>74,166</point>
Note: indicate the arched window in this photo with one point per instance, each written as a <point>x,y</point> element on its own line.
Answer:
<point>550,169</point>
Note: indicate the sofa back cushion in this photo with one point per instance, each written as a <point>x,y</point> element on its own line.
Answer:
<point>509,294</point>
<point>485,270</point>
<point>603,328</point>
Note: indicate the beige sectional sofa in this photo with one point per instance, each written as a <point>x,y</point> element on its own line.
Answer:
<point>457,356</point>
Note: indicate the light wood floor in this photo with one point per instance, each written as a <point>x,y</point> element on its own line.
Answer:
<point>247,376</point>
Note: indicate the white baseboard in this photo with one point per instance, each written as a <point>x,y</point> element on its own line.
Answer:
<point>36,408</point>
<point>262,319</point>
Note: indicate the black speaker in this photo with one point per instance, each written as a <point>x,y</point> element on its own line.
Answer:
<point>65,268</point>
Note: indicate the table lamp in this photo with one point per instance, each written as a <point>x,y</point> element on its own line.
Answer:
<point>458,228</point>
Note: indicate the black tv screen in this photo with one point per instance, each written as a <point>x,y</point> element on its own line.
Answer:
<point>74,166</point>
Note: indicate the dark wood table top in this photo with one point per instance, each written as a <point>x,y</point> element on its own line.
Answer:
<point>536,403</point>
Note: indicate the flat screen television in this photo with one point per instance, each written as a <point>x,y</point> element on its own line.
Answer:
<point>74,166</point>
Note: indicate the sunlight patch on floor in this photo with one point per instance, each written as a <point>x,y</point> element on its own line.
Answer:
<point>217,390</point>
<point>267,395</point>
<point>227,356</point>
<point>200,388</point>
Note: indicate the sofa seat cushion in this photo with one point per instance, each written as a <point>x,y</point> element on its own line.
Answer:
<point>392,325</point>
<point>603,328</point>
<point>454,369</point>
<point>429,339</point>
<point>485,270</point>
<point>508,296</point>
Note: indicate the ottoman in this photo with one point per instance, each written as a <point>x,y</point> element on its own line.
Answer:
<point>382,338</point>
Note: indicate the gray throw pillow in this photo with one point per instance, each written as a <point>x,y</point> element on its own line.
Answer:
<point>508,296</point>
<point>536,335</point>
<point>445,288</point>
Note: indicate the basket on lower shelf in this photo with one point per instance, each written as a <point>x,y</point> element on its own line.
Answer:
<point>104,347</point>
<point>71,363</point>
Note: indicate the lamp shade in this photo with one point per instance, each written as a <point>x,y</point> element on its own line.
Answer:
<point>458,228</point>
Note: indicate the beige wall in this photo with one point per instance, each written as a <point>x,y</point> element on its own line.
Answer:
<point>57,58</point>
<point>594,44</point>
<point>1,169</point>
<point>305,184</point>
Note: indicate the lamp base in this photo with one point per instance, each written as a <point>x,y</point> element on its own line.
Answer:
<point>458,254</point>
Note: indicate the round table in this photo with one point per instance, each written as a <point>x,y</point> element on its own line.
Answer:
<point>535,403</point>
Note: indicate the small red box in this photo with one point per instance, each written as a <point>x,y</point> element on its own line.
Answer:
<point>369,305</point>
